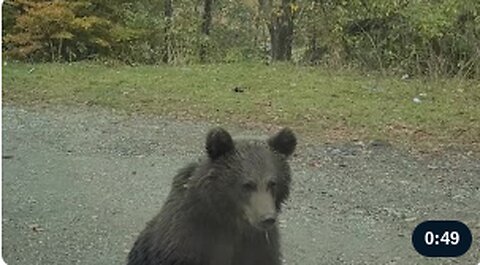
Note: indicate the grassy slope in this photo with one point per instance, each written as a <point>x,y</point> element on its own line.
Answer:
<point>325,105</point>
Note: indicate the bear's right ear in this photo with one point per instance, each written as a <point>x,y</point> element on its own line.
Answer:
<point>283,142</point>
<point>219,142</point>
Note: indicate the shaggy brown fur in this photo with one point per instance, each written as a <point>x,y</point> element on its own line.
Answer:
<point>222,210</point>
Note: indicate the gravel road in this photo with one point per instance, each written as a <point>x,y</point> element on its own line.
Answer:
<point>80,183</point>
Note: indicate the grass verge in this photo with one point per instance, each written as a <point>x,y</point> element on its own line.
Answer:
<point>322,104</point>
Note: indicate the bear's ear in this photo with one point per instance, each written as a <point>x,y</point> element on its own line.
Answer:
<point>219,142</point>
<point>283,142</point>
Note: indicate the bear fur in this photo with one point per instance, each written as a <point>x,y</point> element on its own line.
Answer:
<point>222,210</point>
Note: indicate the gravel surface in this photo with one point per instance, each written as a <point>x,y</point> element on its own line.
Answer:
<point>79,184</point>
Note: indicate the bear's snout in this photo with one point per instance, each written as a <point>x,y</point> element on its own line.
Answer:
<point>268,221</point>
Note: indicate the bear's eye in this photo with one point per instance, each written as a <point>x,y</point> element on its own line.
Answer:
<point>272,185</point>
<point>249,186</point>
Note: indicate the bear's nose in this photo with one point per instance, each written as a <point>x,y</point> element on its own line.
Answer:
<point>268,221</point>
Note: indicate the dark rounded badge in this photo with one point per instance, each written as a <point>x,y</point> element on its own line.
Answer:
<point>442,238</point>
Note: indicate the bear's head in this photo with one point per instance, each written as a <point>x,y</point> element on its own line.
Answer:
<point>250,178</point>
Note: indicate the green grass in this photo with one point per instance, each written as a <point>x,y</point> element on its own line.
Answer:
<point>324,105</point>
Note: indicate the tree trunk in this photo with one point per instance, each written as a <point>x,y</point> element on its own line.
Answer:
<point>52,50</point>
<point>167,30</point>
<point>281,32</point>
<point>206,24</point>
<point>60,44</point>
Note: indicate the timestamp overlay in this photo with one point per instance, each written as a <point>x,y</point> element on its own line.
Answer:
<point>442,238</point>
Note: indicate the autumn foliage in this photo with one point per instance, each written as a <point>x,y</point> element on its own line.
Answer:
<point>425,37</point>
<point>56,30</point>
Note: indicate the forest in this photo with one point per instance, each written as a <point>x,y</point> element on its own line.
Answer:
<point>434,38</point>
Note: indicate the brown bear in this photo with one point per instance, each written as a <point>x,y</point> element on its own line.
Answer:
<point>222,210</point>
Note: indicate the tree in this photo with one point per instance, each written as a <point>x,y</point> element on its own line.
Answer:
<point>167,31</point>
<point>53,30</point>
<point>280,23</point>
<point>206,24</point>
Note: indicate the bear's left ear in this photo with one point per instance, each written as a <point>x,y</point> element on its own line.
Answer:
<point>219,142</point>
<point>283,142</point>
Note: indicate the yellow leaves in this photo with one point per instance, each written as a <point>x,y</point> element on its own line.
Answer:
<point>51,12</point>
<point>252,4</point>
<point>62,35</point>
<point>26,50</point>
<point>101,42</point>
<point>22,38</point>
<point>44,25</point>
<point>278,12</point>
<point>290,9</point>
<point>294,8</point>
<point>27,45</point>
<point>120,33</point>
<point>45,18</point>
<point>86,23</point>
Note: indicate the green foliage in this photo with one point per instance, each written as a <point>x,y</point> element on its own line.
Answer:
<point>415,37</point>
<point>137,34</point>
<point>235,35</point>
<point>420,37</point>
